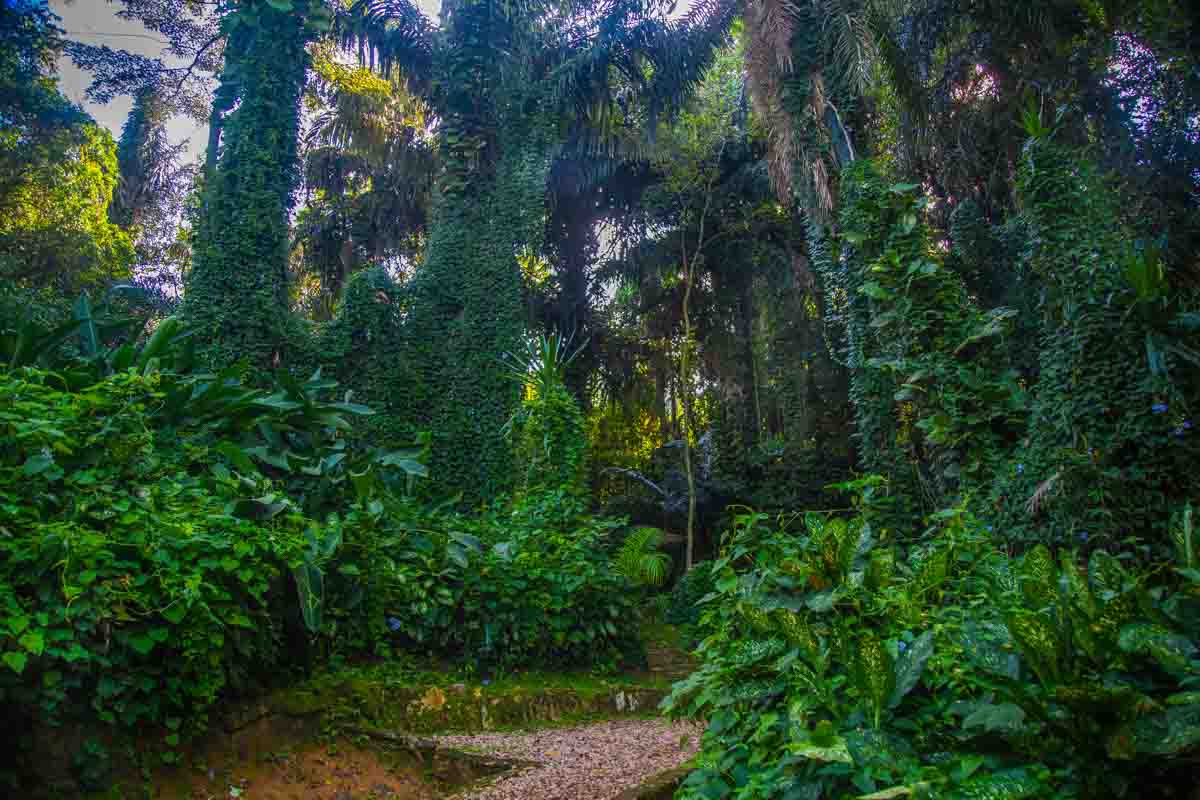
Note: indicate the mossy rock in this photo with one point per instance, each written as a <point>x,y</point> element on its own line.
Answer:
<point>460,707</point>
<point>659,787</point>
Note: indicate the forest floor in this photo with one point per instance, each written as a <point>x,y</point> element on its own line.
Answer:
<point>600,761</point>
<point>386,731</point>
<point>596,761</point>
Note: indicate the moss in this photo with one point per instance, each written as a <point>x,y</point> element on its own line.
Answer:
<point>300,702</point>
<point>659,787</point>
<point>381,699</point>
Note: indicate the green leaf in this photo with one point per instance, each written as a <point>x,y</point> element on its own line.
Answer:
<point>834,751</point>
<point>1013,786</point>
<point>1039,577</point>
<point>909,667</point>
<point>1174,731</point>
<point>874,674</point>
<point>159,341</point>
<point>236,455</point>
<point>142,644</point>
<point>89,337</point>
<point>728,581</point>
<point>37,464</point>
<point>278,402</point>
<point>1039,644</point>
<point>404,461</point>
<point>1173,651</point>
<point>34,642</point>
<point>1004,717</point>
<point>15,661</point>
<point>1106,574</point>
<point>123,358</point>
<point>353,408</point>
<point>874,291</point>
<point>457,556</point>
<point>310,585</point>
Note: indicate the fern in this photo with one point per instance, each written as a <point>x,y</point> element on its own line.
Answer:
<point>640,560</point>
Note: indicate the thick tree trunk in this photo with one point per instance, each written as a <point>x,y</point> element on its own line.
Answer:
<point>237,293</point>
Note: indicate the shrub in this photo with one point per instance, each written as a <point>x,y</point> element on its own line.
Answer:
<point>548,431</point>
<point>684,608</point>
<point>531,585</point>
<point>839,664</point>
<point>639,559</point>
<point>129,588</point>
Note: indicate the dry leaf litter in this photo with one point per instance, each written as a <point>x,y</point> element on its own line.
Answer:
<point>591,762</point>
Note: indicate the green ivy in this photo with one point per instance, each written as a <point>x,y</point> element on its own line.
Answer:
<point>237,294</point>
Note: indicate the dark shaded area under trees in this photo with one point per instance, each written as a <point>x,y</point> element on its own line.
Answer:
<point>872,326</point>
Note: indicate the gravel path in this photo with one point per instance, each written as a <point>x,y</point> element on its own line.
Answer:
<point>590,762</point>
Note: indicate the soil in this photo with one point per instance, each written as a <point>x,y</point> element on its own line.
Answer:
<point>279,753</point>
<point>340,771</point>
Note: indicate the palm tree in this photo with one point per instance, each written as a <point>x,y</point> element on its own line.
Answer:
<point>507,84</point>
<point>808,62</point>
<point>369,165</point>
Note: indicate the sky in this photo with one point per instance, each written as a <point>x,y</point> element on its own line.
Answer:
<point>96,22</point>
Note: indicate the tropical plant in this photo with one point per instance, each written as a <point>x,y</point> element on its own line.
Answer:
<point>514,587</point>
<point>944,667</point>
<point>640,560</point>
<point>542,365</point>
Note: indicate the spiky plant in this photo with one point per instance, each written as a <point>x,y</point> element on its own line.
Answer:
<point>543,363</point>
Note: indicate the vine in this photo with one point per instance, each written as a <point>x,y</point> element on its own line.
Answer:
<point>237,292</point>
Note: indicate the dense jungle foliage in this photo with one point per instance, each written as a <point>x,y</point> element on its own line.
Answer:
<point>860,339</point>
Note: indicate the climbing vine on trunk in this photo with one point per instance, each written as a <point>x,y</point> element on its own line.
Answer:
<point>237,294</point>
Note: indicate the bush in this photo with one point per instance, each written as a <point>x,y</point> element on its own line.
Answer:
<point>166,541</point>
<point>839,665</point>
<point>526,586</point>
<point>129,590</point>
<point>684,608</point>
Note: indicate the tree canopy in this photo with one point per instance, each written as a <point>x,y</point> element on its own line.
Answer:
<point>860,339</point>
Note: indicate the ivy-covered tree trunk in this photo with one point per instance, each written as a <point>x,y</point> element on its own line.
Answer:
<point>465,309</point>
<point>237,294</point>
<point>135,153</point>
<point>466,312</point>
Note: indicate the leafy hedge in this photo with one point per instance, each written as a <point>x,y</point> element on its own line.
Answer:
<point>166,541</point>
<point>530,584</point>
<point>840,665</point>
<point>130,591</point>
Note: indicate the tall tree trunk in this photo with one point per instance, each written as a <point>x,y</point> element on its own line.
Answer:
<point>685,388</point>
<point>237,294</point>
<point>466,312</point>
<point>691,263</point>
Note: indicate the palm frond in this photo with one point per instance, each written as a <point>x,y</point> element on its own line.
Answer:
<point>1042,493</point>
<point>387,35</point>
<point>639,559</point>
<point>769,28</point>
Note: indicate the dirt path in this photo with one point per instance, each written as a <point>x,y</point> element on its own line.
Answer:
<point>589,762</point>
<point>312,772</point>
